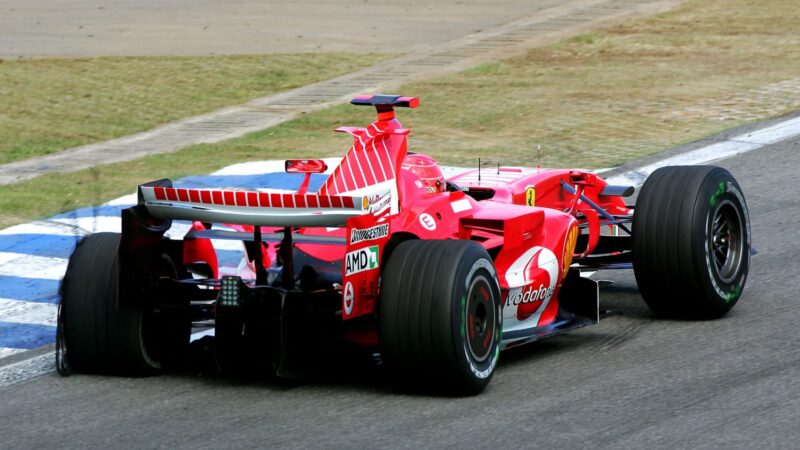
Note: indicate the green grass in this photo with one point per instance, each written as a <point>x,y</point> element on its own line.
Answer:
<point>594,100</point>
<point>47,105</point>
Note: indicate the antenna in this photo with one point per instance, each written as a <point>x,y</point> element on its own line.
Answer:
<point>479,170</point>
<point>539,156</point>
<point>498,167</point>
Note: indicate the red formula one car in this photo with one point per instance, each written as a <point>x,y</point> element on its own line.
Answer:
<point>434,275</point>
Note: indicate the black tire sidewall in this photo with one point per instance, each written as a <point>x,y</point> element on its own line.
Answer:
<point>422,324</point>
<point>672,242</point>
<point>723,295</point>
<point>471,268</point>
<point>97,336</point>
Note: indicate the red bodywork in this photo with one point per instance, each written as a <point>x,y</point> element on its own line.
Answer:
<point>527,219</point>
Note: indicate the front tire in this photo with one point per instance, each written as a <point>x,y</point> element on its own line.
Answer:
<point>440,316</point>
<point>691,242</point>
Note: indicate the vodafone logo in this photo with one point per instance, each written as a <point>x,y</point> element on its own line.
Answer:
<point>532,280</point>
<point>348,298</point>
<point>531,295</point>
<point>427,222</point>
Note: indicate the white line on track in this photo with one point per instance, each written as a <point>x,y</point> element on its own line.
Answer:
<point>754,140</point>
<point>40,227</point>
<point>228,244</point>
<point>259,167</point>
<point>27,369</point>
<point>735,145</point>
<point>45,267</point>
<point>129,199</point>
<point>28,312</point>
<point>8,352</point>
<point>86,225</point>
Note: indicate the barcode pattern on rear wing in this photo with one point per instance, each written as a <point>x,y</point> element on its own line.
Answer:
<point>251,207</point>
<point>254,199</point>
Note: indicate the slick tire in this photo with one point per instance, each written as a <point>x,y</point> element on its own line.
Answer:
<point>440,316</point>
<point>691,242</point>
<point>93,335</point>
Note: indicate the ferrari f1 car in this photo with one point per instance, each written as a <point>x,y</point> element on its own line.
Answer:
<point>434,275</point>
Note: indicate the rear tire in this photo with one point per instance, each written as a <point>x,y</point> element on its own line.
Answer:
<point>440,316</point>
<point>96,337</point>
<point>691,242</point>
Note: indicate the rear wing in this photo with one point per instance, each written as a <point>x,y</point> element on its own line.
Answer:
<point>255,208</point>
<point>385,102</point>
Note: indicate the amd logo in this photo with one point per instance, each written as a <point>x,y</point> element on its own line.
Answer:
<point>361,260</point>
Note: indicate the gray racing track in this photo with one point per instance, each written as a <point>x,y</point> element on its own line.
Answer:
<point>631,381</point>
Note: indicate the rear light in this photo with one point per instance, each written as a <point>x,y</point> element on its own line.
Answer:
<point>230,291</point>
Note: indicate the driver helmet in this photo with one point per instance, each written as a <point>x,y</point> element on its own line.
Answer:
<point>428,171</point>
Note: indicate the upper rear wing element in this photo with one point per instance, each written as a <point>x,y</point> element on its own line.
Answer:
<point>251,207</point>
<point>385,101</point>
<point>385,104</point>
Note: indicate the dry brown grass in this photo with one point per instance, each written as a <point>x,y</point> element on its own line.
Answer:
<point>604,98</point>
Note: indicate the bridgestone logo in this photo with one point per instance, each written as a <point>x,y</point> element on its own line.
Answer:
<point>361,260</point>
<point>370,234</point>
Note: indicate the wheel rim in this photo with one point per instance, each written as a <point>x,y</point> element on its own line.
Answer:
<point>727,243</point>
<point>481,319</point>
<point>150,322</point>
<point>62,362</point>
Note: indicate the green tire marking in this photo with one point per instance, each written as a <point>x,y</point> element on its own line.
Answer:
<point>720,190</point>
<point>729,297</point>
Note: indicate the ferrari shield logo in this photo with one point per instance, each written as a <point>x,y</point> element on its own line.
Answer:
<point>530,196</point>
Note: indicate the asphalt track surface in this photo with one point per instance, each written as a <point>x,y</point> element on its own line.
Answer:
<point>630,382</point>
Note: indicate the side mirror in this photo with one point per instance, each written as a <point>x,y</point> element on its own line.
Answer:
<point>306,166</point>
